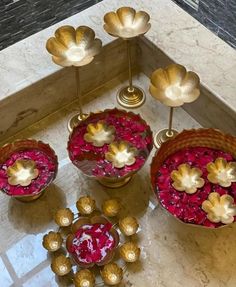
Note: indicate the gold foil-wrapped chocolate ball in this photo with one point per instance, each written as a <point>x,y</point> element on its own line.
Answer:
<point>86,205</point>
<point>128,225</point>
<point>64,217</point>
<point>61,265</point>
<point>129,252</point>
<point>111,207</point>
<point>112,274</point>
<point>84,278</point>
<point>52,241</point>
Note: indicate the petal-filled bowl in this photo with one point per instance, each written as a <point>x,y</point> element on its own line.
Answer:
<point>110,146</point>
<point>27,167</point>
<point>194,177</point>
<point>93,241</point>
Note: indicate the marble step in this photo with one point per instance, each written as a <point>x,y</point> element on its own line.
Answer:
<point>32,87</point>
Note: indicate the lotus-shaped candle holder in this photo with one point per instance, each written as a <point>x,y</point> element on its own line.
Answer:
<point>196,148</point>
<point>99,134</point>
<point>27,167</point>
<point>187,179</point>
<point>74,47</point>
<point>126,23</point>
<point>121,154</point>
<point>93,241</point>
<point>222,172</point>
<point>173,87</point>
<point>22,172</point>
<point>220,208</point>
<point>112,164</point>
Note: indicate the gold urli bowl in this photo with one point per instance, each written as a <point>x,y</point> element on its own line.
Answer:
<point>23,145</point>
<point>209,138</point>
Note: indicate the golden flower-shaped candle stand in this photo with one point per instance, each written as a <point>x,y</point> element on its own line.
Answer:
<point>222,172</point>
<point>220,208</point>
<point>84,278</point>
<point>61,243</point>
<point>112,274</point>
<point>22,172</point>
<point>52,241</point>
<point>173,87</point>
<point>187,179</point>
<point>74,47</point>
<point>121,154</point>
<point>99,134</point>
<point>126,23</point>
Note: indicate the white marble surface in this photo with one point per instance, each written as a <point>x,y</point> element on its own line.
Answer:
<point>173,254</point>
<point>182,38</point>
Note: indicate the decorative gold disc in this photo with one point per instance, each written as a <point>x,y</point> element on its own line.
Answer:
<point>163,136</point>
<point>74,121</point>
<point>131,98</point>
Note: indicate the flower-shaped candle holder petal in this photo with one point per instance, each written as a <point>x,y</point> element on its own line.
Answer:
<point>187,179</point>
<point>126,23</point>
<point>22,172</point>
<point>91,160</point>
<point>220,208</point>
<point>121,154</point>
<point>173,87</point>
<point>27,167</point>
<point>222,172</point>
<point>99,134</point>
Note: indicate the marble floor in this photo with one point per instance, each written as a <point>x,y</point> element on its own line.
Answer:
<point>172,254</point>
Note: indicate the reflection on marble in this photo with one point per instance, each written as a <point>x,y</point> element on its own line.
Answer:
<point>46,277</point>
<point>6,280</point>
<point>173,254</point>
<point>26,254</point>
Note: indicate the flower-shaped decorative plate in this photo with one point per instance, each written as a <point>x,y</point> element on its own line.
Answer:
<point>174,86</point>
<point>197,149</point>
<point>108,163</point>
<point>92,239</point>
<point>73,47</point>
<point>27,167</point>
<point>126,23</point>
